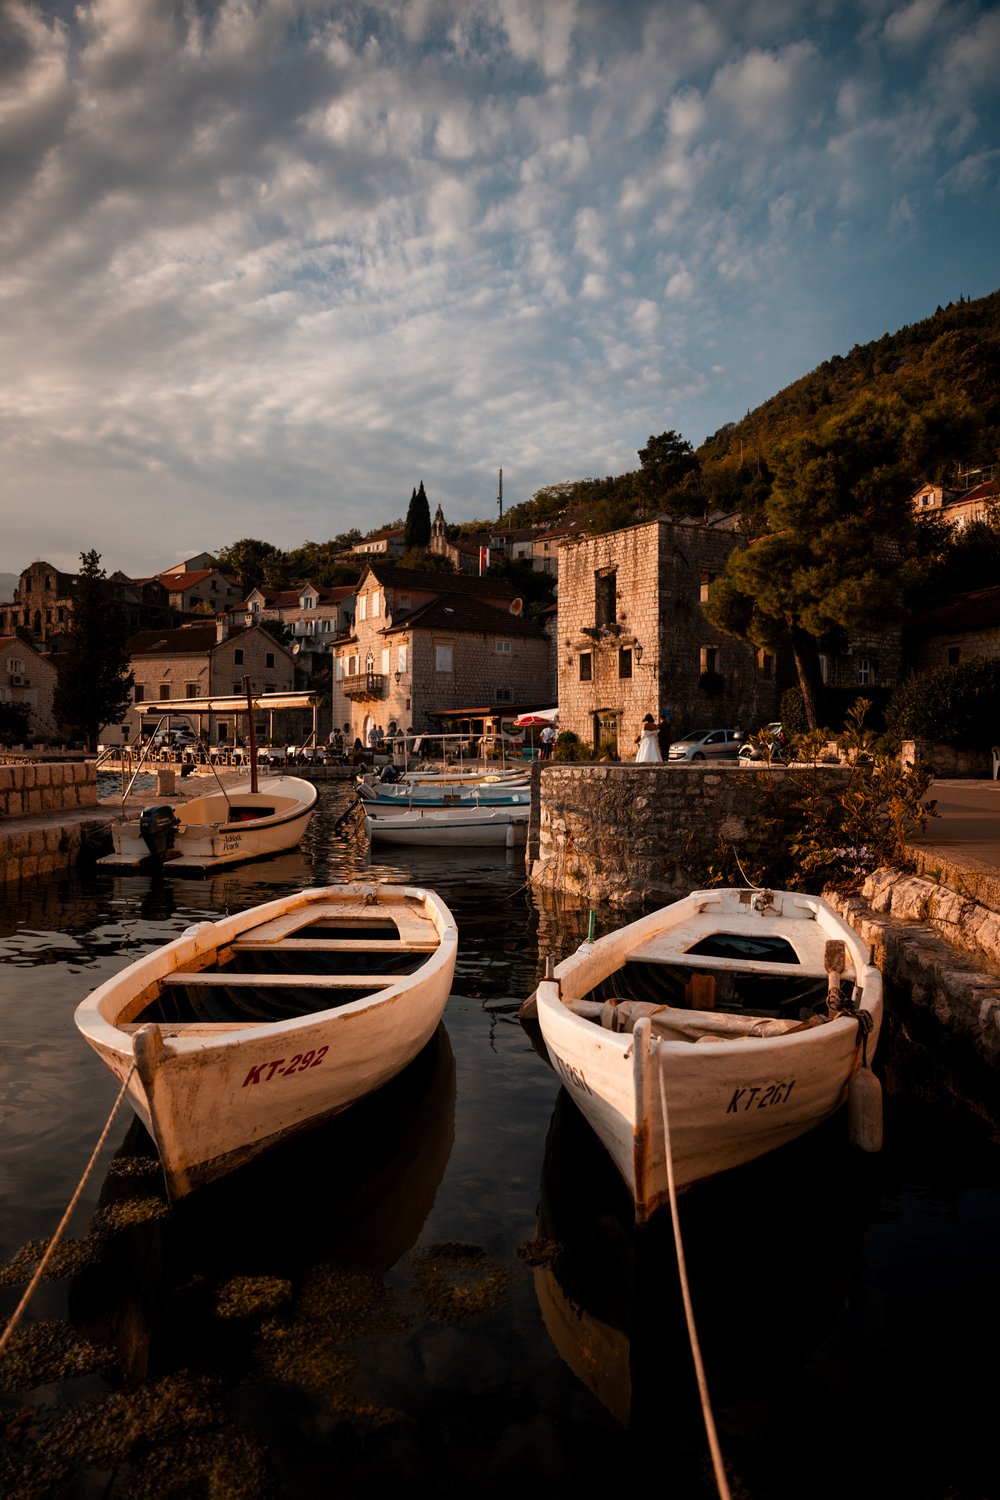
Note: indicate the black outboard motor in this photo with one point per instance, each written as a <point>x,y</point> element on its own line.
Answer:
<point>389,774</point>
<point>156,829</point>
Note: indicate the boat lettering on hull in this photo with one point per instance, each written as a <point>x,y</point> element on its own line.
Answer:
<point>775,1093</point>
<point>299,1063</point>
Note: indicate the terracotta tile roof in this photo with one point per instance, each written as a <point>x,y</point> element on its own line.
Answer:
<point>963,612</point>
<point>444,582</point>
<point>453,612</point>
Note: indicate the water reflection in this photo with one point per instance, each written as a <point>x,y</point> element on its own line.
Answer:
<point>353,1192</point>
<point>772,1250</point>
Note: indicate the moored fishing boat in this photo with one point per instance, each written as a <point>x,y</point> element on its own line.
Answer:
<point>457,825</point>
<point>716,1029</point>
<point>244,1031</point>
<point>221,828</point>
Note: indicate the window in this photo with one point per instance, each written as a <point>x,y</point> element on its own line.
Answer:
<point>363,607</point>
<point>404,601</point>
<point>238,656</point>
<point>443,658</point>
<point>765,665</point>
<point>625,662</point>
<point>605,597</point>
<point>586,666</point>
<point>503,647</point>
<point>866,671</point>
<point>376,604</point>
<point>340,669</point>
<point>164,690</point>
<point>214,586</point>
<point>15,665</point>
<point>269,659</point>
<point>709,659</point>
<point>401,658</point>
<point>370,662</point>
<point>237,687</point>
<point>190,690</point>
<point>954,656</point>
<point>706,583</point>
<point>140,693</point>
<point>385,661</point>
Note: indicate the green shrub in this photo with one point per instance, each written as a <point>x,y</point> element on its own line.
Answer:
<point>954,706</point>
<point>567,747</point>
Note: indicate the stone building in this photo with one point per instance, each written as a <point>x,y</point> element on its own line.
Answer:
<point>426,643</point>
<point>962,629</point>
<point>958,505</point>
<point>632,637</point>
<point>202,591</point>
<point>28,680</point>
<point>196,661</point>
<point>42,608</point>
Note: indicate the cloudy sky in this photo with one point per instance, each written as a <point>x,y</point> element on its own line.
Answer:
<point>267,264</point>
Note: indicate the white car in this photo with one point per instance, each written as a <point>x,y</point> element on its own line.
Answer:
<point>707,744</point>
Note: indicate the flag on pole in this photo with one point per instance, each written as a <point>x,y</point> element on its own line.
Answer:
<point>484,560</point>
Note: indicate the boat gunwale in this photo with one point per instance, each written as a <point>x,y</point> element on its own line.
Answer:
<point>107,1035</point>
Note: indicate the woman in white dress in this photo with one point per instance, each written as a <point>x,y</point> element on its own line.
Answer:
<point>649,745</point>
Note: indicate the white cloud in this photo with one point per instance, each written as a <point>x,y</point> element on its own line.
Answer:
<point>261,261</point>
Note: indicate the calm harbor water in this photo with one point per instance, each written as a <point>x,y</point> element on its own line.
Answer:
<point>442,1290</point>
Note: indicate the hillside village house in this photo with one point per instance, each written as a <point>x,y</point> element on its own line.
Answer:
<point>314,614</point>
<point>196,661</point>
<point>960,504</point>
<point>28,680</point>
<point>201,591</point>
<point>385,543</point>
<point>424,644</point>
<point>632,637</point>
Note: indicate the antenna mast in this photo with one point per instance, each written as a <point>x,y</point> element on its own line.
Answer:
<point>500,494</point>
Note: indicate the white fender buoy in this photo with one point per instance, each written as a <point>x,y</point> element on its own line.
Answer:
<point>864,1109</point>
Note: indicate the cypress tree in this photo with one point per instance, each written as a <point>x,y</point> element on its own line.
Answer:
<point>418,521</point>
<point>95,679</point>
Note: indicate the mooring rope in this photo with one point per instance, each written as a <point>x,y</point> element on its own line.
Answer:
<point>29,1290</point>
<point>706,1407</point>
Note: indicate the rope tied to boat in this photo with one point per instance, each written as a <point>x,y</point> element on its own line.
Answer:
<point>706,1407</point>
<point>30,1289</point>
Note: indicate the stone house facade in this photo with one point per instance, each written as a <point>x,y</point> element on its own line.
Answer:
<point>961,629</point>
<point>204,591</point>
<point>42,608</point>
<point>632,638</point>
<point>424,644</point>
<point>959,506</point>
<point>28,679</point>
<point>196,661</point>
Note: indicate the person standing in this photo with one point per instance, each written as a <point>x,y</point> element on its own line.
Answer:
<point>663,736</point>
<point>547,740</point>
<point>649,749</point>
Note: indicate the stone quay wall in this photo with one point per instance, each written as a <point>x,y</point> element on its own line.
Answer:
<point>45,786</point>
<point>34,840</point>
<point>620,835</point>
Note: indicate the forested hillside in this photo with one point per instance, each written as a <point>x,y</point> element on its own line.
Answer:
<point>934,384</point>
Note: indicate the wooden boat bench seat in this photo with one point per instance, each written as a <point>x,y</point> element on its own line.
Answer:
<point>200,977</point>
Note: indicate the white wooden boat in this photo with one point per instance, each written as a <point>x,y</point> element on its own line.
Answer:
<point>461,825</point>
<point>222,828</point>
<point>737,1017</point>
<point>479,794</point>
<point>247,1030</point>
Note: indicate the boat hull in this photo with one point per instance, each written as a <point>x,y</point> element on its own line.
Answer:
<point>214,1095</point>
<point>729,1097</point>
<point>456,827</point>
<point>209,836</point>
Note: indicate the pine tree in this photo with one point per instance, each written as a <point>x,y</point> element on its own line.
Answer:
<point>95,680</point>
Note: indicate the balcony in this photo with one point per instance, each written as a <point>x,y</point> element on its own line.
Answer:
<point>365,685</point>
